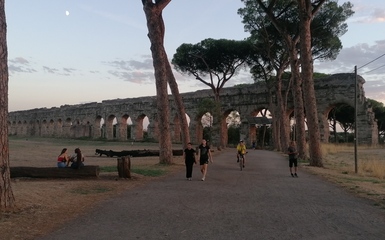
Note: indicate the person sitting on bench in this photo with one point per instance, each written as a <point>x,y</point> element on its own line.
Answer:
<point>63,159</point>
<point>77,159</point>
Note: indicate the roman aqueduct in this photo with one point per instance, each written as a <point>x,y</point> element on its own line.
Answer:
<point>86,120</point>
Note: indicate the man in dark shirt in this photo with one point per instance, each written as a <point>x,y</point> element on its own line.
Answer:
<point>189,158</point>
<point>292,151</point>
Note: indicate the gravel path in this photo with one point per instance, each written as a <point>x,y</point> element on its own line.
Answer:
<point>261,202</point>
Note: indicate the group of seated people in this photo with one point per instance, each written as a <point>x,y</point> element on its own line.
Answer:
<point>76,160</point>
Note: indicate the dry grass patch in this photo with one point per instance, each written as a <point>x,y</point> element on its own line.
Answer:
<point>339,167</point>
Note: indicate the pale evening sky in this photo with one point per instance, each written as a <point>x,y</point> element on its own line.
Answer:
<point>78,51</point>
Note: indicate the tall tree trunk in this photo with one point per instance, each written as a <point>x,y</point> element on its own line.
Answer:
<point>216,134</point>
<point>275,121</point>
<point>7,200</point>
<point>334,123</point>
<point>305,13</point>
<point>156,30</point>
<point>281,110</point>
<point>180,107</point>
<point>299,114</point>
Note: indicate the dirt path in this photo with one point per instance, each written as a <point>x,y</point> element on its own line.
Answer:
<point>261,202</point>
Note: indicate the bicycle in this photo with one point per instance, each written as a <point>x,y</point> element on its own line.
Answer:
<point>241,160</point>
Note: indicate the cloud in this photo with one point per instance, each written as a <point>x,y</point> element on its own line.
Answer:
<point>19,60</point>
<point>370,62</point>
<point>19,65</point>
<point>50,70</point>
<point>361,55</point>
<point>379,15</point>
<point>136,71</point>
<point>69,70</point>
<point>375,90</point>
<point>130,65</point>
<point>142,72</point>
<point>368,14</point>
<point>134,76</point>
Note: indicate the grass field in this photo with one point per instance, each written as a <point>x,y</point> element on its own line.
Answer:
<point>339,168</point>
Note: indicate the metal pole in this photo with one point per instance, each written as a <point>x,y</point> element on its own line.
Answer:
<point>355,119</point>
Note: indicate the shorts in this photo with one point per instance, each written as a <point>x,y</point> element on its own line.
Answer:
<point>293,162</point>
<point>203,161</point>
<point>61,164</point>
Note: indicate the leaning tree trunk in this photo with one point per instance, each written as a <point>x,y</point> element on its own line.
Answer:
<point>305,12</point>
<point>7,200</point>
<point>180,106</point>
<point>156,30</point>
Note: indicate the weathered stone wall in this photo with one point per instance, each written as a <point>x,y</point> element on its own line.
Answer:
<point>84,120</point>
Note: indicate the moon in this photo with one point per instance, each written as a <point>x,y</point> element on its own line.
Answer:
<point>67,13</point>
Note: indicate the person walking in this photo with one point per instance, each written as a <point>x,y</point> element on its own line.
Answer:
<point>189,160</point>
<point>292,152</point>
<point>204,157</point>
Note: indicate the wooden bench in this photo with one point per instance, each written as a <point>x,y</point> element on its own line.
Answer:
<point>89,171</point>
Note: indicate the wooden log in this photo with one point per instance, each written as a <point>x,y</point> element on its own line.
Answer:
<point>91,171</point>
<point>135,153</point>
<point>124,167</point>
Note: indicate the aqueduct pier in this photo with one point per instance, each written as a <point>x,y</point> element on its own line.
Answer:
<point>85,120</point>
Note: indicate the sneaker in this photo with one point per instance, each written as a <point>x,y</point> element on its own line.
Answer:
<point>203,179</point>
<point>295,174</point>
<point>292,175</point>
<point>190,179</point>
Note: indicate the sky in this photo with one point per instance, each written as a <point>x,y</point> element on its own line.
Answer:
<point>79,51</point>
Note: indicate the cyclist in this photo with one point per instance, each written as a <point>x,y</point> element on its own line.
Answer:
<point>241,150</point>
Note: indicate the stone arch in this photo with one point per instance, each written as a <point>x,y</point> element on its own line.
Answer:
<point>75,131</point>
<point>50,128</point>
<point>224,136</point>
<point>152,127</point>
<point>109,127</point>
<point>37,128</point>
<point>58,128</point>
<point>31,128</point>
<point>121,127</point>
<point>19,128</point>
<point>67,127</point>
<point>138,127</point>
<point>12,127</point>
<point>44,128</point>
<point>323,118</point>
<point>176,129</point>
<point>97,128</point>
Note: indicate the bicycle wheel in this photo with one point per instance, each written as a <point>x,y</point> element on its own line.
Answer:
<point>241,162</point>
